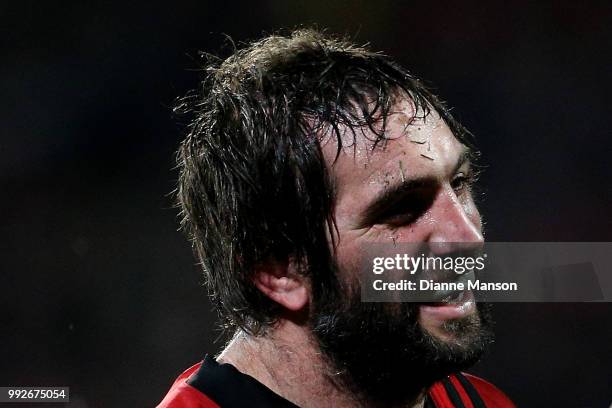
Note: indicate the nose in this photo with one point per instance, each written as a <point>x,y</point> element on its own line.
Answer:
<point>455,225</point>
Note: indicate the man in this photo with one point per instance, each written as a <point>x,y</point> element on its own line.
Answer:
<point>302,150</point>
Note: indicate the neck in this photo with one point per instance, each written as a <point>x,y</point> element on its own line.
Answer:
<point>287,361</point>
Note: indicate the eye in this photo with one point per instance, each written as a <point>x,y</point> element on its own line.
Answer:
<point>462,182</point>
<point>399,219</point>
<point>408,209</point>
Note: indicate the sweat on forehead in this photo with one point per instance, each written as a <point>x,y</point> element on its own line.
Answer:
<point>419,147</point>
<point>405,121</point>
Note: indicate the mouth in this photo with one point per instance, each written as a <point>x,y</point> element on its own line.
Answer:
<point>453,298</point>
<point>456,306</point>
<point>451,304</point>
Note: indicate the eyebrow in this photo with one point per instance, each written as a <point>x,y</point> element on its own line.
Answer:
<point>393,193</point>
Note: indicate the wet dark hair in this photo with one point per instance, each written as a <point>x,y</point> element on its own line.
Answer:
<point>254,187</point>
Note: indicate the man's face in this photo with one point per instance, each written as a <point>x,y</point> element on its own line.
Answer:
<point>415,187</point>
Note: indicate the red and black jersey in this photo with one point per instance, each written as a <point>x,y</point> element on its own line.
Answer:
<point>212,385</point>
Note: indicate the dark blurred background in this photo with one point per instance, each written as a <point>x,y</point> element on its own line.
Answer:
<point>101,293</point>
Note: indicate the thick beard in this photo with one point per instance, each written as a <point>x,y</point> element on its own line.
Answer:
<point>380,352</point>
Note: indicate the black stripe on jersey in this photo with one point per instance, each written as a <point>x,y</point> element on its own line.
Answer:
<point>471,391</point>
<point>452,393</point>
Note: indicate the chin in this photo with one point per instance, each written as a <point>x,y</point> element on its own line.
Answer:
<point>450,319</point>
<point>452,331</point>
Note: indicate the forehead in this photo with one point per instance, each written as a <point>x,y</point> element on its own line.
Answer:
<point>414,147</point>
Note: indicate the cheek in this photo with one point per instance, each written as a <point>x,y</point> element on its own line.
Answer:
<point>417,231</point>
<point>348,258</point>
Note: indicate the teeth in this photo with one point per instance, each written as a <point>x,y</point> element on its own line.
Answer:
<point>454,298</point>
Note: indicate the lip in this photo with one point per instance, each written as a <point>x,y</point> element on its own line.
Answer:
<point>436,296</point>
<point>454,310</point>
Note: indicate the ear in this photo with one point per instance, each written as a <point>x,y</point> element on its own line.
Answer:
<point>283,284</point>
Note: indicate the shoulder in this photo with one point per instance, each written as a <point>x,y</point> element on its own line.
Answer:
<point>466,390</point>
<point>493,396</point>
<point>183,394</point>
<point>210,384</point>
